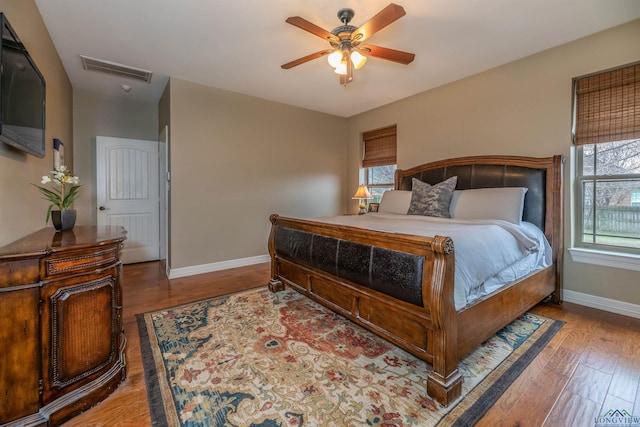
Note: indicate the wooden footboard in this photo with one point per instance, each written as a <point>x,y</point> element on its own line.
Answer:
<point>427,330</point>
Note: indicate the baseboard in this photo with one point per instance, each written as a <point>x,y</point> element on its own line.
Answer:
<point>174,273</point>
<point>606,304</point>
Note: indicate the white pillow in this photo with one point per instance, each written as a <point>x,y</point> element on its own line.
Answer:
<point>489,203</point>
<point>395,201</point>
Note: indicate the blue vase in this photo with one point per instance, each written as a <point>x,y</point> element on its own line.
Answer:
<point>63,220</point>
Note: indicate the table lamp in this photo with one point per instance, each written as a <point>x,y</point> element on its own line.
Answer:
<point>362,193</point>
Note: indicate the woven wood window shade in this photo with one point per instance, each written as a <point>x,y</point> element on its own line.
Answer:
<point>608,106</point>
<point>380,147</point>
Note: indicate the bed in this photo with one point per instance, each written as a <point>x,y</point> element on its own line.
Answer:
<point>402,285</point>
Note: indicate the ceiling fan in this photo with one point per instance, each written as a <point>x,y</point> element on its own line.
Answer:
<point>347,51</point>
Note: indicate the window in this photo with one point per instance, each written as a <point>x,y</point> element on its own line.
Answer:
<point>379,179</point>
<point>607,138</point>
<point>379,161</point>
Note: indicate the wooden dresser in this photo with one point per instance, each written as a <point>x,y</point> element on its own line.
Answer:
<point>61,337</point>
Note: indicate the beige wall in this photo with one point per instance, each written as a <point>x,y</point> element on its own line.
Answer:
<point>522,108</point>
<point>99,115</point>
<point>235,160</point>
<point>22,211</point>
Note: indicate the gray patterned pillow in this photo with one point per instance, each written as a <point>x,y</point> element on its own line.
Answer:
<point>430,200</point>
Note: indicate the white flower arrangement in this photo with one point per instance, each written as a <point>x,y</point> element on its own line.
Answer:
<point>62,196</point>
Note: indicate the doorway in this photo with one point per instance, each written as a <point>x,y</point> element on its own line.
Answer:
<point>128,194</point>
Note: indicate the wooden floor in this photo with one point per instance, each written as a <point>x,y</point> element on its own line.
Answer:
<point>592,365</point>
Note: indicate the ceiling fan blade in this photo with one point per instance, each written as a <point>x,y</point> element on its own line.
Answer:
<point>306,58</point>
<point>303,24</point>
<point>386,53</point>
<point>383,18</point>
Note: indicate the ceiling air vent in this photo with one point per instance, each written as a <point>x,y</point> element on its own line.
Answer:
<point>93,64</point>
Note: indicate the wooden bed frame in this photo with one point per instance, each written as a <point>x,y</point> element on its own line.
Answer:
<point>435,331</point>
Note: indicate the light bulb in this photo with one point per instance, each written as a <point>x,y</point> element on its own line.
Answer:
<point>358,59</point>
<point>334,58</point>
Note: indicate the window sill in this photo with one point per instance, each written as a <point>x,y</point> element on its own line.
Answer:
<point>607,259</point>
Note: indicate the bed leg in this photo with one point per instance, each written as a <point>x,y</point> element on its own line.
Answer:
<point>444,382</point>
<point>275,285</point>
<point>444,390</point>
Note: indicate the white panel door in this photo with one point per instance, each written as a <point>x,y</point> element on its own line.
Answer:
<point>128,194</point>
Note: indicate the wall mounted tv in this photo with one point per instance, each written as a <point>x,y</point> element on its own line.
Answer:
<point>22,90</point>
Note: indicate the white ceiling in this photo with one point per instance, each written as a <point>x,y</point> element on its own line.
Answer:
<point>239,45</point>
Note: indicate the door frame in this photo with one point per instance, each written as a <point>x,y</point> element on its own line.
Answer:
<point>165,187</point>
<point>161,184</point>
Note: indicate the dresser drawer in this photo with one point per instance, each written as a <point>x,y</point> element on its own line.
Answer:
<point>19,272</point>
<point>70,262</point>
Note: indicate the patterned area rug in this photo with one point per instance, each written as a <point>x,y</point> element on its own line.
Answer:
<point>254,359</point>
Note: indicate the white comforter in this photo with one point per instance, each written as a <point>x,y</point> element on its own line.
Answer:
<point>489,253</point>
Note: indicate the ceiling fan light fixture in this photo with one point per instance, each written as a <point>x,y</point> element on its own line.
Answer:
<point>358,59</point>
<point>334,58</point>
<point>346,51</point>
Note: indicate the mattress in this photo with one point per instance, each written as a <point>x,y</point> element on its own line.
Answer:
<point>489,254</point>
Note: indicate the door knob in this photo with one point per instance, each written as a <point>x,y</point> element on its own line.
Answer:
<point>102,208</point>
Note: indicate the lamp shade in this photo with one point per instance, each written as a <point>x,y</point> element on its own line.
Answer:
<point>362,193</point>
<point>341,68</point>
<point>358,59</point>
<point>334,58</point>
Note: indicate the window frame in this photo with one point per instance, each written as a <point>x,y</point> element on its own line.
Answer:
<point>579,181</point>
<point>390,185</point>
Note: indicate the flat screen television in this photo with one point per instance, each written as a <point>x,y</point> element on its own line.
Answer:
<point>22,93</point>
